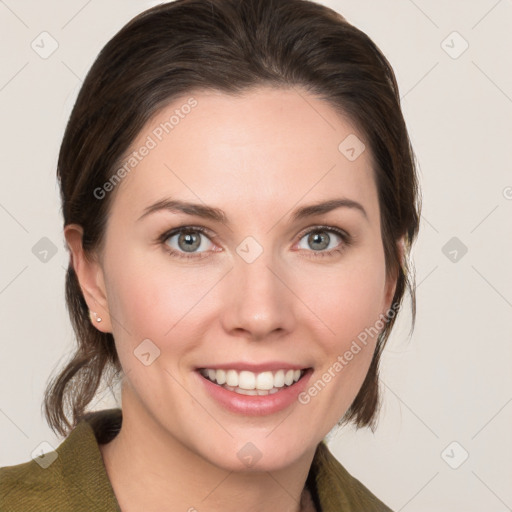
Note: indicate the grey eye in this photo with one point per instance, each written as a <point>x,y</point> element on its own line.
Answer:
<point>319,239</point>
<point>188,240</point>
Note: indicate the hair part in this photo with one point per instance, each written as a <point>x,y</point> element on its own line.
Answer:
<point>230,46</point>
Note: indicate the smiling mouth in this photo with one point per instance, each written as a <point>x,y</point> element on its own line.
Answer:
<point>251,383</point>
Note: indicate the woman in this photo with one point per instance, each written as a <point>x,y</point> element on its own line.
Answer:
<point>240,199</point>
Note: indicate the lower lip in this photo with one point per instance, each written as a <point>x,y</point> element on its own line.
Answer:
<point>256,405</point>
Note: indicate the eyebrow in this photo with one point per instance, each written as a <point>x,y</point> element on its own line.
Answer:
<point>218,215</point>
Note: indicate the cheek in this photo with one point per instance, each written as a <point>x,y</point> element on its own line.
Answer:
<point>148,298</point>
<point>347,300</point>
<point>350,307</point>
<point>135,295</point>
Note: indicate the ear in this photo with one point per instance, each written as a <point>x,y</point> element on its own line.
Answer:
<point>90,276</point>
<point>391,281</point>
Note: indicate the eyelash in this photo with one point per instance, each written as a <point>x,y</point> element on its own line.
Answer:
<point>347,241</point>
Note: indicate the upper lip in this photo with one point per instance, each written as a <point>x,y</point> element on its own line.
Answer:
<point>253,367</point>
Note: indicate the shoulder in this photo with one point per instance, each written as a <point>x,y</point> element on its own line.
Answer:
<point>73,477</point>
<point>30,487</point>
<point>337,489</point>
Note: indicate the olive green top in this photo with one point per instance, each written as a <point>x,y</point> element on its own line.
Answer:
<point>77,481</point>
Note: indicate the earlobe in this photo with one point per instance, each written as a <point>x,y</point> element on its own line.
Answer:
<point>90,277</point>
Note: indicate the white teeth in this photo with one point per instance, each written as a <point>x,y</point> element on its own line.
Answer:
<point>250,383</point>
<point>288,378</point>
<point>246,380</point>
<point>246,391</point>
<point>231,378</point>
<point>265,381</point>
<point>279,379</point>
<point>220,376</point>
<point>259,392</point>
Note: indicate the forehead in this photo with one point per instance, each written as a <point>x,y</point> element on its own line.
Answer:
<point>265,149</point>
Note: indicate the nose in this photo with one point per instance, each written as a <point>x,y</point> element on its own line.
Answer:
<point>258,302</point>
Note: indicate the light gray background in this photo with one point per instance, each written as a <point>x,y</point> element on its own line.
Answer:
<point>450,382</point>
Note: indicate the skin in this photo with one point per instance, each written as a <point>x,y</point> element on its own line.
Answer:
<point>257,157</point>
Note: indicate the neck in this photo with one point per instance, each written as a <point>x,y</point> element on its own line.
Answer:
<point>151,470</point>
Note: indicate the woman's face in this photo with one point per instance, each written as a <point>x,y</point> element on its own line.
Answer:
<point>263,290</point>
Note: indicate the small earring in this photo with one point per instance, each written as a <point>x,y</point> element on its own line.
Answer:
<point>98,319</point>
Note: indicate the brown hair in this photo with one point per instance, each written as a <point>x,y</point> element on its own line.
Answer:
<point>229,46</point>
